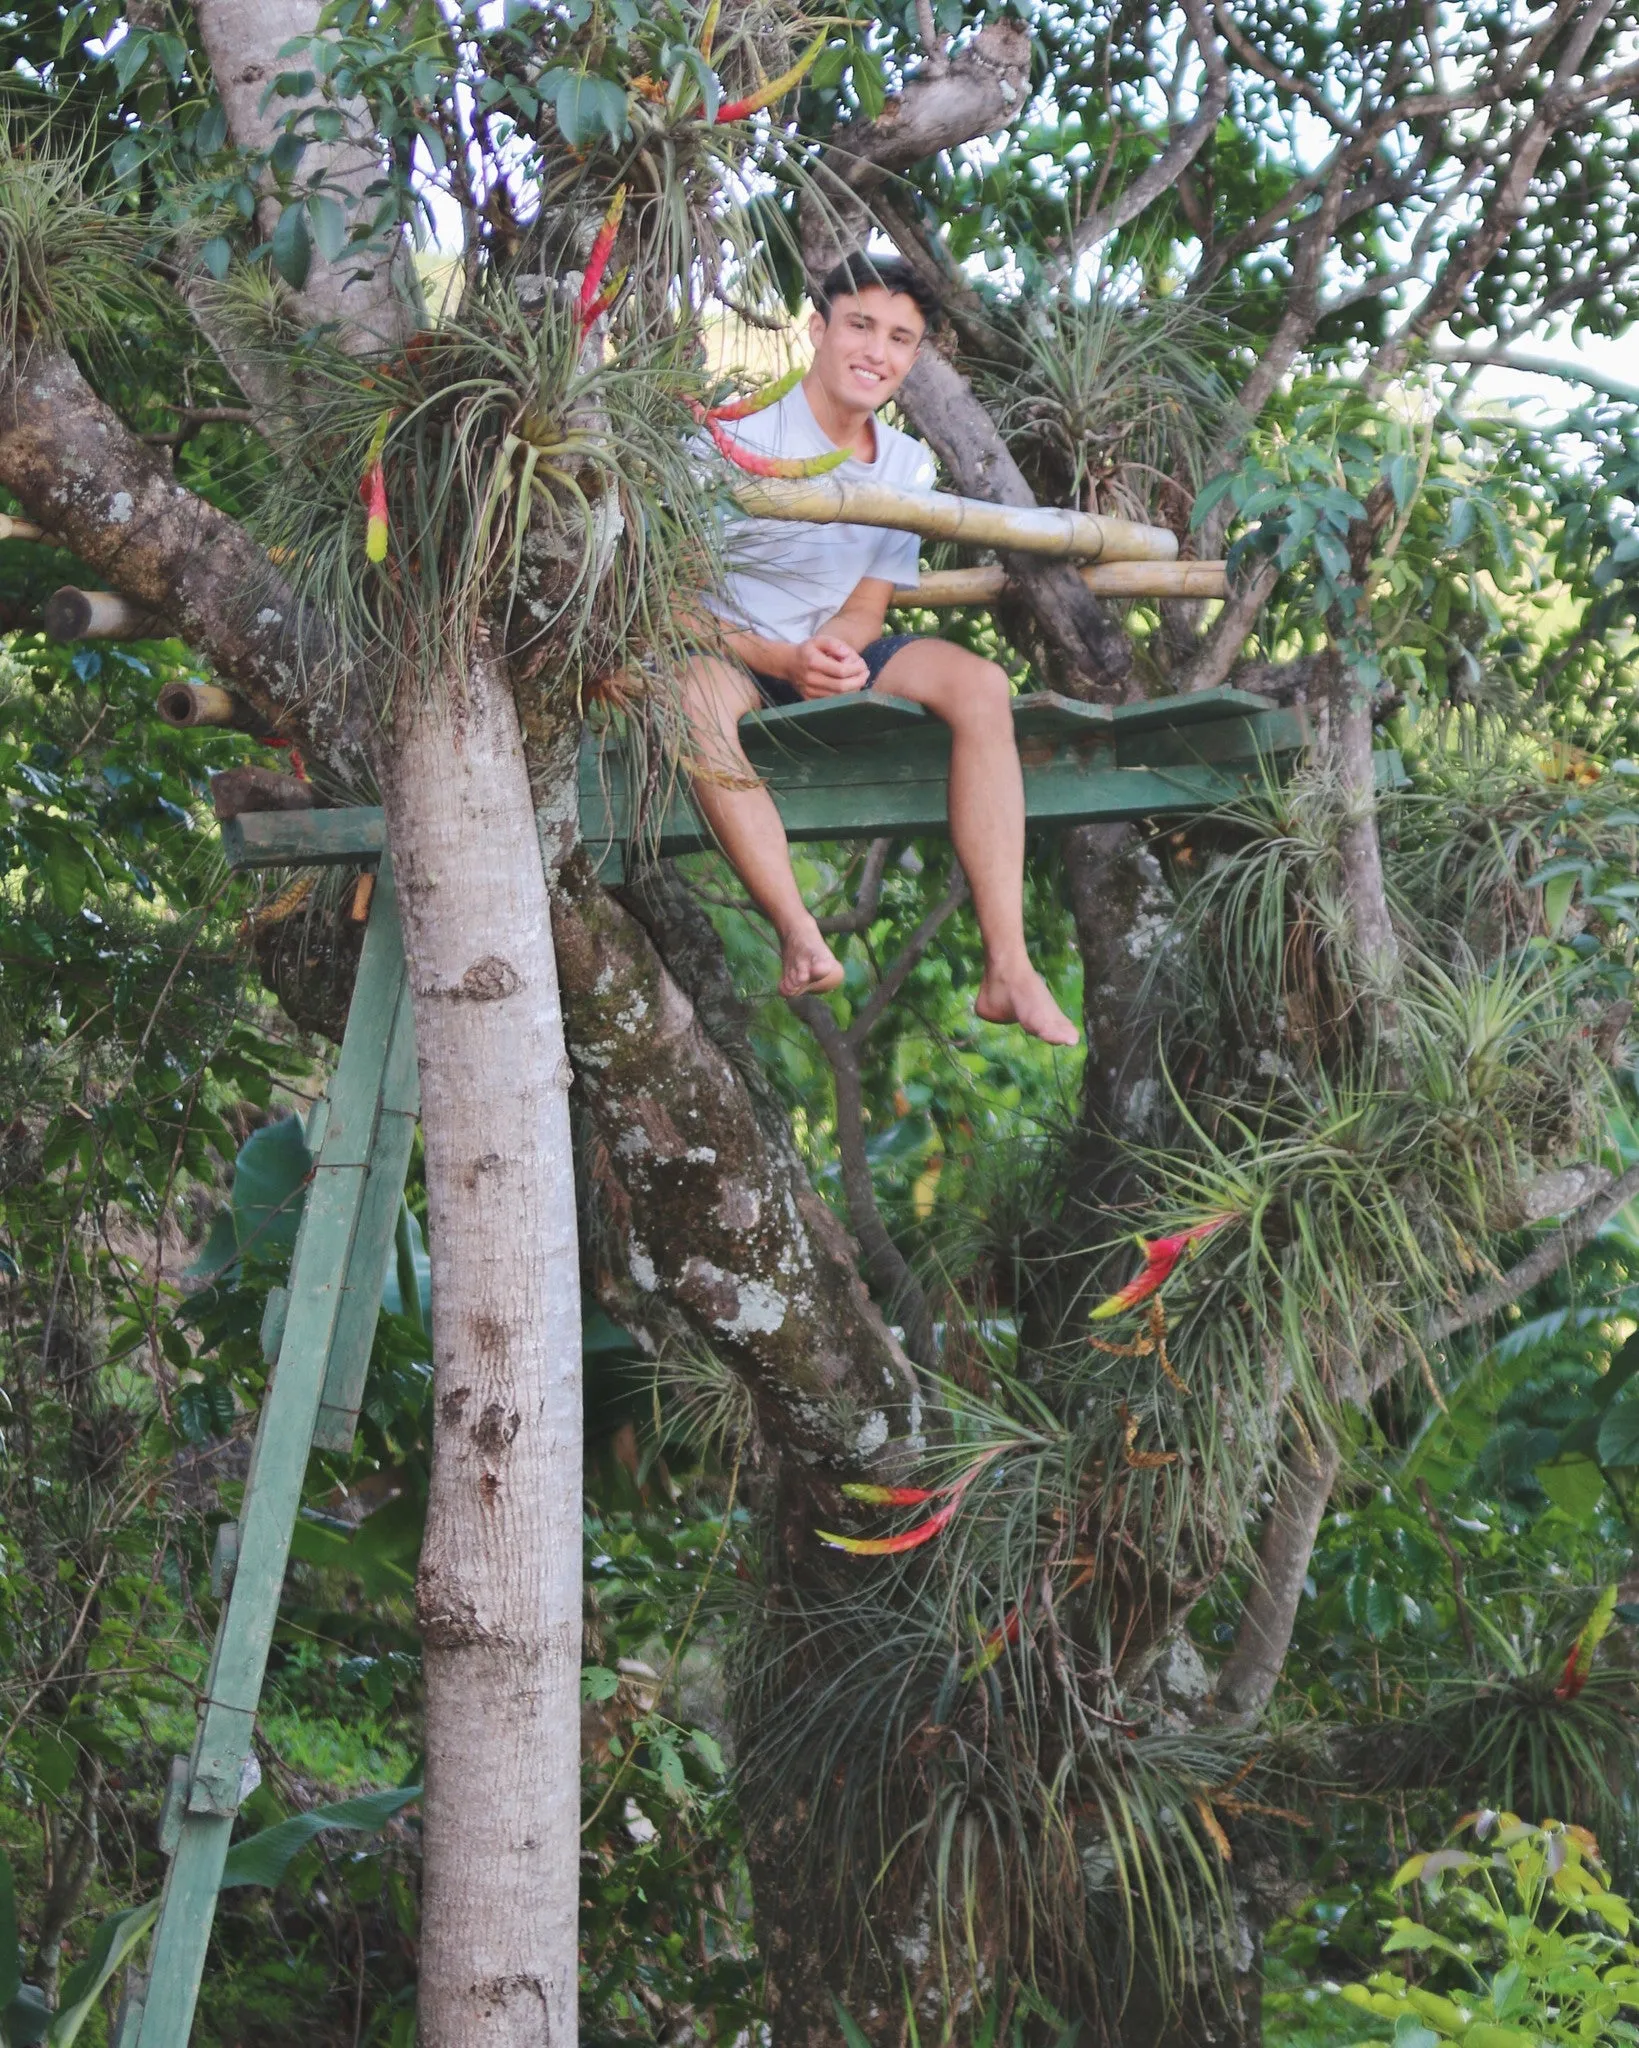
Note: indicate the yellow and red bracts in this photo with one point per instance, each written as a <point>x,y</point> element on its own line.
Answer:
<point>1161,1255</point>
<point>907,1496</point>
<point>594,300</point>
<point>776,88</point>
<point>757,401</point>
<point>373,490</point>
<point>1580,1662</point>
<point>773,465</point>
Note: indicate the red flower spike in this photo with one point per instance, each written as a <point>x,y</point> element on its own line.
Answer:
<point>591,284</point>
<point>373,491</point>
<point>893,1546</point>
<point>1580,1662</point>
<point>891,1496</point>
<point>1160,1257</point>
<point>759,401</point>
<point>774,465</point>
<point>776,88</point>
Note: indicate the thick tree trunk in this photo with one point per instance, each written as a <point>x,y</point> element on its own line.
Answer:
<point>499,1593</point>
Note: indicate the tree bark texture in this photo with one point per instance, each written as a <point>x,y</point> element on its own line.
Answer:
<point>711,1214</point>
<point>1247,1681</point>
<point>499,1591</point>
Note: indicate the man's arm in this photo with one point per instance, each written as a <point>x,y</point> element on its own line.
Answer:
<point>828,664</point>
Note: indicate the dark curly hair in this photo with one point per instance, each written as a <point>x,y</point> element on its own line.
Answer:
<point>859,272</point>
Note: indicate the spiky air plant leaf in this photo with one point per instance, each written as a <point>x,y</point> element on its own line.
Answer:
<point>69,267</point>
<point>523,480</point>
<point>1113,401</point>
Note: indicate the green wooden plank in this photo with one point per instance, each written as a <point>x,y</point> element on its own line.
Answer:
<point>351,836</point>
<point>1227,742</point>
<point>858,719</point>
<point>1043,716</point>
<point>222,1760</point>
<point>1199,707</point>
<point>378,1219</point>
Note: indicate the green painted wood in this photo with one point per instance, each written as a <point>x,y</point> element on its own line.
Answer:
<point>222,1767</point>
<point>1200,707</point>
<point>350,837</point>
<point>373,1244</point>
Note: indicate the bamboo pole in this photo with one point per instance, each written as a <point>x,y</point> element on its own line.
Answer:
<point>70,614</point>
<point>937,515</point>
<point>193,704</point>
<point>1104,579</point>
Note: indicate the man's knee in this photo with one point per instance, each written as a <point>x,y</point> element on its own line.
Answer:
<point>979,694</point>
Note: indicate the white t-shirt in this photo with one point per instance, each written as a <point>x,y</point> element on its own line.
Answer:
<point>787,578</point>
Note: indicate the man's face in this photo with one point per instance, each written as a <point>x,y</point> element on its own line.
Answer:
<point>864,352</point>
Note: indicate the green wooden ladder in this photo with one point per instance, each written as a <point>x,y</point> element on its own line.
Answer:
<point>853,767</point>
<point>316,1335</point>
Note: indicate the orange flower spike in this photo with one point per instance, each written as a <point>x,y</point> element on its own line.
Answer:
<point>774,465</point>
<point>1161,1255</point>
<point>759,401</point>
<point>373,491</point>
<point>894,1546</point>
<point>776,88</point>
<point>597,262</point>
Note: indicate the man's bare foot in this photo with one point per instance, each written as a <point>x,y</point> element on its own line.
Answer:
<point>808,966</point>
<point>1026,1000</point>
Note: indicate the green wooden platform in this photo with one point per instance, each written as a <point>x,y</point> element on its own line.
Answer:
<point>851,767</point>
<point>859,767</point>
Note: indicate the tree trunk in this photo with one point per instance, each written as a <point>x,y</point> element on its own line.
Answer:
<point>499,1593</point>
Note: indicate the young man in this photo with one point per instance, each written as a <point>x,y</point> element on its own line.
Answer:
<point>801,613</point>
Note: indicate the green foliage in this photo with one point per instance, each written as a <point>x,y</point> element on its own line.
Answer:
<point>1524,1940</point>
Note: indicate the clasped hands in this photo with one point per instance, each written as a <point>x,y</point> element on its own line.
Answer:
<point>826,667</point>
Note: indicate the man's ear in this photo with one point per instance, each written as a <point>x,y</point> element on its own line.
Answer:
<point>816,328</point>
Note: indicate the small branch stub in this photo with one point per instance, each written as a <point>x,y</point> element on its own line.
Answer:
<point>70,614</point>
<point>20,529</point>
<point>191,704</point>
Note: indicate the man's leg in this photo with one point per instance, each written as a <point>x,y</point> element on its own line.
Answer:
<point>986,821</point>
<point>740,811</point>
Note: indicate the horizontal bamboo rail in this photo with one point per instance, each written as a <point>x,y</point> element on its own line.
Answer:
<point>1104,579</point>
<point>70,614</point>
<point>936,515</point>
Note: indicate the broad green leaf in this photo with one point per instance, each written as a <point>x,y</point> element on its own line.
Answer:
<point>327,220</point>
<point>216,255</point>
<point>1556,899</point>
<point>1618,1441</point>
<point>112,1943</point>
<point>263,1859</point>
<point>269,1183</point>
<point>1572,1484</point>
<point>598,1682</point>
<point>291,250</point>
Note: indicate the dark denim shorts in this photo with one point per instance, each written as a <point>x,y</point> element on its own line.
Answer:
<point>876,655</point>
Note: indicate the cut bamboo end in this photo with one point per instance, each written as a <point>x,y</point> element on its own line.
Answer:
<point>1104,579</point>
<point>937,515</point>
<point>20,529</point>
<point>70,614</point>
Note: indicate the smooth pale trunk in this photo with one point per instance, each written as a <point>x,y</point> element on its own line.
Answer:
<point>499,1594</point>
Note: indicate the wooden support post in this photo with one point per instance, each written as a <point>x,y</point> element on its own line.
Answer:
<point>70,614</point>
<point>1103,579</point>
<point>937,515</point>
<point>331,1268</point>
